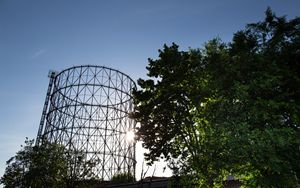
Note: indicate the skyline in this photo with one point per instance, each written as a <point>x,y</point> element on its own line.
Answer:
<point>36,37</point>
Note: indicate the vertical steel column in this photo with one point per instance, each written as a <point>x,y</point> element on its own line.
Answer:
<point>51,75</point>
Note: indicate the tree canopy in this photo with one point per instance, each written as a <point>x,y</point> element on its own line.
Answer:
<point>47,165</point>
<point>227,108</point>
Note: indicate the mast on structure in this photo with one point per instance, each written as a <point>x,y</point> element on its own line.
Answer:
<point>51,75</point>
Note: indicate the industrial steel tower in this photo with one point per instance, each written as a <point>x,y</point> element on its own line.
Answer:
<point>87,109</point>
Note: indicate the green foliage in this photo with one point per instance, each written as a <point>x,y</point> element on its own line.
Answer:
<point>227,109</point>
<point>123,178</point>
<point>36,166</point>
<point>47,165</point>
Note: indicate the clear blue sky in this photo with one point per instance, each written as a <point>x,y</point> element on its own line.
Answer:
<point>36,36</point>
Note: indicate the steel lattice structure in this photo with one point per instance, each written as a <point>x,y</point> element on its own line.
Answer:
<point>86,110</point>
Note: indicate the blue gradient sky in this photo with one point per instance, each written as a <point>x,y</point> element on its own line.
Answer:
<point>36,36</point>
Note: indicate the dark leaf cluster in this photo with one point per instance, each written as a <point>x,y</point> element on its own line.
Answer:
<point>47,165</point>
<point>227,109</point>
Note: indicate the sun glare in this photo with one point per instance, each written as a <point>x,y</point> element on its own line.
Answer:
<point>130,136</point>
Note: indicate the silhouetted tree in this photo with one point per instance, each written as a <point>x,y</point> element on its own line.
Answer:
<point>227,109</point>
<point>47,165</point>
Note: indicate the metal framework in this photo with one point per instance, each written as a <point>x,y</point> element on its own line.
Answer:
<point>88,112</point>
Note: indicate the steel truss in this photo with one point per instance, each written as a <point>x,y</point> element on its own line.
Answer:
<point>88,112</point>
